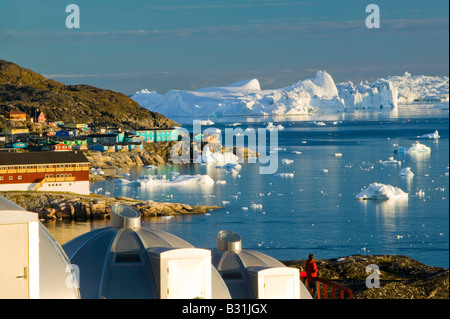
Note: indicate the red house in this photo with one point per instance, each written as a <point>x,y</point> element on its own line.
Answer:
<point>44,171</point>
<point>41,118</point>
<point>61,147</point>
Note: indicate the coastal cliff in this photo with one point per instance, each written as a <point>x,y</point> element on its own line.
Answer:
<point>53,206</point>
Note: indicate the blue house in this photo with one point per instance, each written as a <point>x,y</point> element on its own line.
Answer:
<point>65,133</point>
<point>16,145</point>
<point>103,147</point>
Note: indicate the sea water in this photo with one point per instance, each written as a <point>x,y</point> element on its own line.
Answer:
<point>313,208</point>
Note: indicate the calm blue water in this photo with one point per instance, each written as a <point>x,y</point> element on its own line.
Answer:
<point>316,212</point>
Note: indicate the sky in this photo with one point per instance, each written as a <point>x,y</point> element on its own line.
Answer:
<point>161,45</point>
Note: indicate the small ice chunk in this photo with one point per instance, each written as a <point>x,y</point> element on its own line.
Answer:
<point>431,135</point>
<point>296,152</point>
<point>406,172</point>
<point>284,175</point>
<point>337,154</point>
<point>287,161</point>
<point>381,191</point>
<point>256,206</point>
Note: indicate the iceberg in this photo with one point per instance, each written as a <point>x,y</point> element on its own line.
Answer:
<point>314,95</point>
<point>216,157</point>
<point>431,135</point>
<point>406,172</point>
<point>287,161</point>
<point>381,191</point>
<point>270,126</point>
<point>178,181</point>
<point>391,161</point>
<point>421,88</point>
<point>416,148</point>
<point>284,174</point>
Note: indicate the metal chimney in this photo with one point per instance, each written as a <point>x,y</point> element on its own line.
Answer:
<point>123,216</point>
<point>228,240</point>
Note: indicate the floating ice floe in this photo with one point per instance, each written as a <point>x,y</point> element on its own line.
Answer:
<point>221,182</point>
<point>151,166</point>
<point>337,154</point>
<point>431,135</point>
<point>381,191</point>
<point>296,152</point>
<point>406,172</point>
<point>287,161</point>
<point>270,126</point>
<point>391,161</point>
<point>414,149</point>
<point>216,157</point>
<point>284,174</point>
<point>256,206</point>
<point>203,122</point>
<point>178,181</point>
<point>96,171</point>
<point>420,193</point>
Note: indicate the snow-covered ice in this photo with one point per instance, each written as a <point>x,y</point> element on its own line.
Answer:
<point>287,161</point>
<point>318,94</point>
<point>415,148</point>
<point>216,157</point>
<point>284,174</point>
<point>381,191</point>
<point>391,161</point>
<point>270,126</point>
<point>431,135</point>
<point>406,172</point>
<point>150,181</point>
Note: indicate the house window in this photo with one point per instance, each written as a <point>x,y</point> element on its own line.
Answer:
<point>20,178</point>
<point>10,178</point>
<point>1,178</point>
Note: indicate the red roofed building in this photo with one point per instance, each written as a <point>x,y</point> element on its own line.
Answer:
<point>44,171</point>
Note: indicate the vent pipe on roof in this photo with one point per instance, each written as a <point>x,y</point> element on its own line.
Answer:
<point>228,240</point>
<point>123,216</point>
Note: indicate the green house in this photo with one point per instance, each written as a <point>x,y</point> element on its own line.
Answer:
<point>157,134</point>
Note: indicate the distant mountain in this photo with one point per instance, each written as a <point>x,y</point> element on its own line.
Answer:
<point>25,90</point>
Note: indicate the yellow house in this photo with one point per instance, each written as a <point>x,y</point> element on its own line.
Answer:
<point>16,130</point>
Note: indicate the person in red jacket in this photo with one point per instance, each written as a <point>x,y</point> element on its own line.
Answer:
<point>311,275</point>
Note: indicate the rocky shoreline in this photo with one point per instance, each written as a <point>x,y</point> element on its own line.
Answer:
<point>65,206</point>
<point>401,277</point>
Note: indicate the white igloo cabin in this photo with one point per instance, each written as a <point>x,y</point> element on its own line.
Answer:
<point>250,274</point>
<point>128,261</point>
<point>32,263</point>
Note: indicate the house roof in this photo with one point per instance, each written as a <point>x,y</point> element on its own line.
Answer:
<point>42,158</point>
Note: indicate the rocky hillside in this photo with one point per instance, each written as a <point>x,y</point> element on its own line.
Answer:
<point>401,277</point>
<point>24,90</point>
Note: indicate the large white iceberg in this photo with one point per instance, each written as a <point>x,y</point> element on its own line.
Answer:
<point>420,88</point>
<point>318,94</point>
<point>381,191</point>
